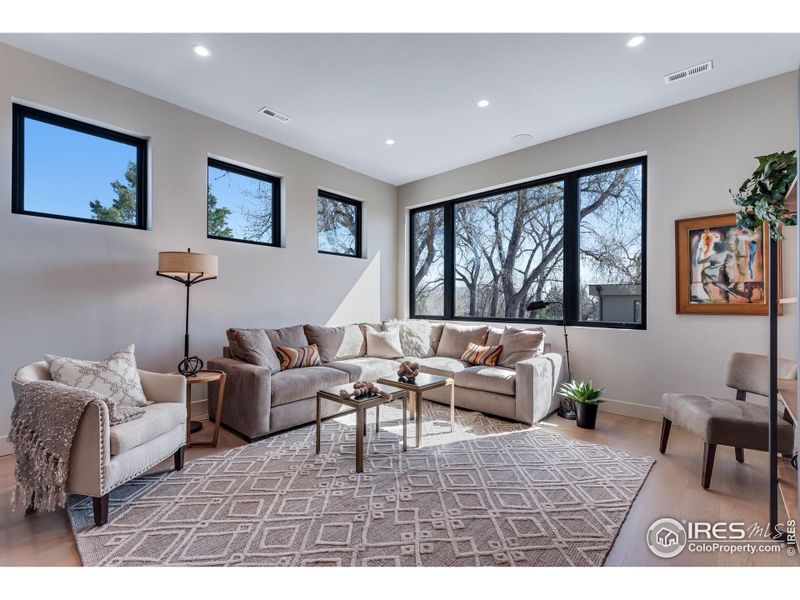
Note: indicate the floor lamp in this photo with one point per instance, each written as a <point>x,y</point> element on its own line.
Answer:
<point>187,268</point>
<point>566,408</point>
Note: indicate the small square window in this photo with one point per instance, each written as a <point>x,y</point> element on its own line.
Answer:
<point>68,169</point>
<point>338,225</point>
<point>243,205</point>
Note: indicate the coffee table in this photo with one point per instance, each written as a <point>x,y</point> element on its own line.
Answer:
<point>423,382</point>
<point>360,406</point>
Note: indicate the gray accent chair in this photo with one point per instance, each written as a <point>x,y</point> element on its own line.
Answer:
<point>726,421</point>
<point>104,457</point>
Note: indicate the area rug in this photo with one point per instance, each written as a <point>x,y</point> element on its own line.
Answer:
<point>491,493</point>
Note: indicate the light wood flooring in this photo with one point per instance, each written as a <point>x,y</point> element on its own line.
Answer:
<point>738,493</point>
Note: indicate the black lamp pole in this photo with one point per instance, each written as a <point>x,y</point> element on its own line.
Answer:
<point>566,408</point>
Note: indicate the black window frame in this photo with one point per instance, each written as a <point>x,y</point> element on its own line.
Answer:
<point>276,201</point>
<point>359,205</point>
<point>571,284</point>
<point>21,112</point>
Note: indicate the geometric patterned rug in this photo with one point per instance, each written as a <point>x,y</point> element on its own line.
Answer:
<point>492,493</point>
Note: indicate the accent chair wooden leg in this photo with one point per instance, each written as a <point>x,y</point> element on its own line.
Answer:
<point>739,454</point>
<point>30,509</point>
<point>666,425</point>
<point>179,456</point>
<point>100,506</point>
<point>709,450</point>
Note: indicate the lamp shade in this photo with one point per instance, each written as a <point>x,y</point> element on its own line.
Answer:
<point>181,264</point>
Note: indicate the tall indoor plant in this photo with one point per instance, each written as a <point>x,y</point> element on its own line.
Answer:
<point>761,196</point>
<point>586,399</point>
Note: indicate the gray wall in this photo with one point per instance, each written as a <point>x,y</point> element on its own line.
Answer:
<point>85,290</point>
<point>696,152</point>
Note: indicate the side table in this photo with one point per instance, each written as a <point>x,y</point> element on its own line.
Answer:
<point>204,376</point>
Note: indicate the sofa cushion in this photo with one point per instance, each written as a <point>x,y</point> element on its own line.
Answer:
<point>366,368</point>
<point>384,344</point>
<point>298,358</point>
<point>298,384</point>
<point>253,346</point>
<point>415,336</point>
<point>488,379</point>
<point>456,338</point>
<point>157,419</point>
<point>519,344</point>
<point>440,365</point>
<point>493,336</point>
<point>336,343</point>
<point>291,337</point>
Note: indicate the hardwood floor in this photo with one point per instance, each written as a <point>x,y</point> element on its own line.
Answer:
<point>738,493</point>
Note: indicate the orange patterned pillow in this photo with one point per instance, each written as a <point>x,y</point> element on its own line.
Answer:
<point>482,355</point>
<point>295,358</point>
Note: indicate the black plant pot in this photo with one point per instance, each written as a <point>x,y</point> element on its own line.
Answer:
<point>587,415</point>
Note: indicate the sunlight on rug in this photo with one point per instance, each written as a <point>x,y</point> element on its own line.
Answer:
<point>491,493</point>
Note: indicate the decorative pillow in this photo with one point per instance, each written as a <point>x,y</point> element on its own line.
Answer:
<point>520,344</point>
<point>336,343</point>
<point>297,358</point>
<point>494,335</point>
<point>456,338</point>
<point>415,336</point>
<point>116,377</point>
<point>436,336</point>
<point>383,344</point>
<point>482,355</point>
<point>253,346</point>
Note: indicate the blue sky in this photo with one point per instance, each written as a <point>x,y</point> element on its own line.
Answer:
<point>238,193</point>
<point>66,169</point>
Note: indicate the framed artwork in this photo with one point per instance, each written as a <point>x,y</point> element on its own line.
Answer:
<point>722,269</point>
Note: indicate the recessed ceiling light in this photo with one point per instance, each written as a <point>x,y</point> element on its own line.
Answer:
<point>390,142</point>
<point>201,51</point>
<point>636,40</point>
<point>483,103</point>
<point>522,139</point>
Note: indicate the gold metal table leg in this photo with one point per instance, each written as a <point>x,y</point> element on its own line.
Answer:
<point>360,430</point>
<point>405,423</point>
<point>452,406</point>
<point>377,418</point>
<point>418,403</point>
<point>319,424</point>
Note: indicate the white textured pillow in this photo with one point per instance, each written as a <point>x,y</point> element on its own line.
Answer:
<point>383,344</point>
<point>116,377</point>
<point>415,336</point>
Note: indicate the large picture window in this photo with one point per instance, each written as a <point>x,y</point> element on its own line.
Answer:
<point>576,241</point>
<point>68,169</point>
<point>338,225</point>
<point>243,204</point>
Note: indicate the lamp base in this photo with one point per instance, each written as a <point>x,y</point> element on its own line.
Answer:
<point>566,410</point>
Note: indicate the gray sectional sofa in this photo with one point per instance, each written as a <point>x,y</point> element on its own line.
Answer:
<point>261,399</point>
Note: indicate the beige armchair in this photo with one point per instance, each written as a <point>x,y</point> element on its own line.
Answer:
<point>104,457</point>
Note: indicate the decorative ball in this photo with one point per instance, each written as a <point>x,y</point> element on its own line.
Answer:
<point>190,365</point>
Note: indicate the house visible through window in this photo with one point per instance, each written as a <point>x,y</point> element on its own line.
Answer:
<point>243,205</point>
<point>575,241</point>
<point>68,169</point>
<point>338,225</point>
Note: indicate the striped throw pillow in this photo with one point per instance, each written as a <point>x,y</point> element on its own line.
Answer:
<point>482,355</point>
<point>295,358</point>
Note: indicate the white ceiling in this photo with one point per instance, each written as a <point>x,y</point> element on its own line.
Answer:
<point>347,93</point>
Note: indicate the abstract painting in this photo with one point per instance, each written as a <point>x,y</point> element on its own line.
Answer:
<point>721,268</point>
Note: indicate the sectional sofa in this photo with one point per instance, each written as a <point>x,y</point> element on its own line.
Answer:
<point>261,398</point>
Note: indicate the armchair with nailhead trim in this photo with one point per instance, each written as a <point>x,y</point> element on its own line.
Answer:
<point>104,457</point>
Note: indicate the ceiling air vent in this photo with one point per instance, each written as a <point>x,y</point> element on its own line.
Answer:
<point>690,72</point>
<point>275,115</point>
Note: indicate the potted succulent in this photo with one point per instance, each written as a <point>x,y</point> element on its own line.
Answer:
<point>761,197</point>
<point>586,398</point>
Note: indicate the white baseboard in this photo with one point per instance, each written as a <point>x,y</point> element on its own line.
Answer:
<point>5,446</point>
<point>631,409</point>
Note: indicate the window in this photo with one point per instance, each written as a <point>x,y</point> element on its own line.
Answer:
<point>338,225</point>
<point>576,241</point>
<point>243,205</point>
<point>67,169</point>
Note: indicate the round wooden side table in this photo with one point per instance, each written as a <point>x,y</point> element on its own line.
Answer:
<point>204,376</point>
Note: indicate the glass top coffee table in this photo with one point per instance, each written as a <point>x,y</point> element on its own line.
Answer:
<point>423,382</point>
<point>360,406</point>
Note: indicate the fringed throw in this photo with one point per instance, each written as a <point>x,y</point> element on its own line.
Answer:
<point>43,425</point>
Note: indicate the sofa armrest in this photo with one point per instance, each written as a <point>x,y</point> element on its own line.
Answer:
<point>248,396</point>
<point>163,387</point>
<point>538,379</point>
<point>91,452</point>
